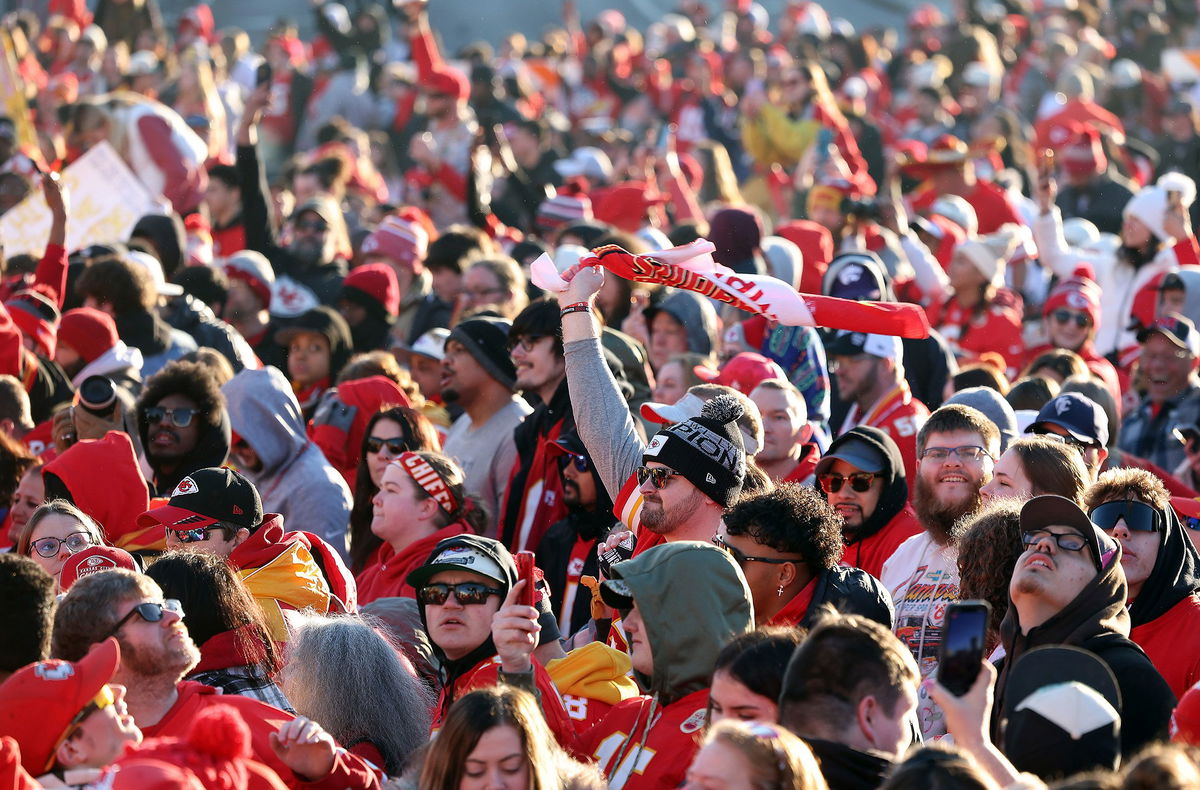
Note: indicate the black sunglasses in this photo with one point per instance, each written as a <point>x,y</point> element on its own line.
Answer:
<point>580,462</point>
<point>150,612</point>
<point>466,593</point>
<point>180,418</point>
<point>859,481</point>
<point>741,558</point>
<point>658,476</point>
<point>394,446</point>
<point>1066,316</point>
<point>1138,516</point>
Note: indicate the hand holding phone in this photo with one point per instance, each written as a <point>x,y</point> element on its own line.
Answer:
<point>964,635</point>
<point>526,573</point>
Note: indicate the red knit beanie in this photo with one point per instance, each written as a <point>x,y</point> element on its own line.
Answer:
<point>37,317</point>
<point>374,281</point>
<point>1078,293</point>
<point>88,332</point>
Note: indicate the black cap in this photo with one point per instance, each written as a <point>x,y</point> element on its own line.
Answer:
<point>1051,510</point>
<point>207,496</point>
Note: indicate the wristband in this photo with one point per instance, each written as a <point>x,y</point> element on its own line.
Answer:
<point>578,307</point>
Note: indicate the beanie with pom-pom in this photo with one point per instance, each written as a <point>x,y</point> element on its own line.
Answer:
<point>707,450</point>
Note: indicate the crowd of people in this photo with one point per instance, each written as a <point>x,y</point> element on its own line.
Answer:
<point>773,340</point>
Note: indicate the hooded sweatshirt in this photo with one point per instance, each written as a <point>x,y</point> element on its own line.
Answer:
<point>294,480</point>
<point>341,419</point>
<point>694,600</point>
<point>893,520</point>
<point>1165,616</point>
<point>697,316</point>
<point>1097,620</point>
<point>101,477</point>
<point>211,450</point>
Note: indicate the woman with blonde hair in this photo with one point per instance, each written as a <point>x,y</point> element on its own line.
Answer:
<point>54,532</point>
<point>196,95</point>
<point>754,755</point>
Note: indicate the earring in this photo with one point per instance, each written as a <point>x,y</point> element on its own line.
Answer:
<point>779,591</point>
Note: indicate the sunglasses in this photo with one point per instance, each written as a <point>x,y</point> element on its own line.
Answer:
<point>1138,516</point>
<point>180,418</point>
<point>859,481</point>
<point>394,446</point>
<point>1192,523</point>
<point>742,559</point>
<point>1066,316</point>
<point>580,462</point>
<point>658,476</point>
<point>312,227</point>
<point>466,593</point>
<point>75,542</point>
<point>192,535</point>
<point>102,700</point>
<point>150,612</point>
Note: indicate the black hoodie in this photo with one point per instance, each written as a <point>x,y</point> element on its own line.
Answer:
<point>1176,574</point>
<point>1097,620</point>
<point>211,450</point>
<point>895,484</point>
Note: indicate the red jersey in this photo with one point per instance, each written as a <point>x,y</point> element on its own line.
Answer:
<point>1172,642</point>
<point>992,207</point>
<point>869,554</point>
<point>804,472</point>
<point>640,745</point>
<point>996,329</point>
<point>901,416</point>
<point>228,240</point>
<point>385,574</point>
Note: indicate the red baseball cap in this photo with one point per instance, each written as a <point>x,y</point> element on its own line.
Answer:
<point>743,373</point>
<point>94,559</point>
<point>39,702</point>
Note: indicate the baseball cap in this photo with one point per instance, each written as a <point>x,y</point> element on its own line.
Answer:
<point>850,344</point>
<point>1176,328</point>
<point>669,413</point>
<point>743,373</point>
<point>207,496</point>
<point>94,559</point>
<point>590,162</point>
<point>431,344</point>
<point>39,701</point>
<point>856,452</point>
<point>1051,510</point>
<point>1188,510</point>
<point>484,556</point>
<point>1077,414</point>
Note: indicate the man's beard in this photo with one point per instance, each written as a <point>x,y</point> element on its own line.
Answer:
<point>172,661</point>
<point>308,253</point>
<point>660,522</point>
<point>1137,257</point>
<point>450,395</point>
<point>944,521</point>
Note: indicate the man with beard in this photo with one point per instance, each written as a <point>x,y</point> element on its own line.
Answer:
<point>567,551</point>
<point>863,478</point>
<point>156,653</point>
<point>1145,253</point>
<point>870,377</point>
<point>957,447</point>
<point>309,268</point>
<point>478,375</point>
<point>183,423</point>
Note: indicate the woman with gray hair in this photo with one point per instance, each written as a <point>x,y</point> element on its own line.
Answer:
<point>374,705</point>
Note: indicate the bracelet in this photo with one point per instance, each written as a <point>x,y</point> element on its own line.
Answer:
<point>578,307</point>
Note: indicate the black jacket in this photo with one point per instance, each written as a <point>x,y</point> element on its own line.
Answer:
<point>188,314</point>
<point>1175,576</point>
<point>845,768</point>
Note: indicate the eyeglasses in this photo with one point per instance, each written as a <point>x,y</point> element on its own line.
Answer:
<point>150,612</point>
<point>394,446</point>
<point>180,418</point>
<point>1071,541</point>
<point>525,343</point>
<point>658,476</point>
<point>580,462</point>
<point>1066,316</point>
<point>310,226</point>
<point>49,547</point>
<point>192,535</point>
<point>859,481</point>
<point>968,453</point>
<point>466,593</point>
<point>742,559</point>
<point>1138,516</point>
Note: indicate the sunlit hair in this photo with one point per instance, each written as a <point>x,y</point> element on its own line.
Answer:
<point>777,759</point>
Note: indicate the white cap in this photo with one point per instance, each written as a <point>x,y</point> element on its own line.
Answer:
<point>588,162</point>
<point>141,63</point>
<point>154,269</point>
<point>431,344</point>
<point>977,75</point>
<point>958,211</point>
<point>689,406</point>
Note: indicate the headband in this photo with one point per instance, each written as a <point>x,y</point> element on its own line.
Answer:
<point>429,480</point>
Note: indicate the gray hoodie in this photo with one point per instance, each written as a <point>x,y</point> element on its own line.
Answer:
<point>295,479</point>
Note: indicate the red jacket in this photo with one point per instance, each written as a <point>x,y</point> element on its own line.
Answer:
<point>641,745</point>
<point>901,416</point>
<point>870,553</point>
<point>385,576</point>
<point>349,771</point>
<point>1172,641</point>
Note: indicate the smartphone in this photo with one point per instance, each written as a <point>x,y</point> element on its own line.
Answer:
<point>525,570</point>
<point>1188,435</point>
<point>264,74</point>
<point>963,636</point>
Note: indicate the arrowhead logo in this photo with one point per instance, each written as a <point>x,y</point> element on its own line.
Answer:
<point>186,486</point>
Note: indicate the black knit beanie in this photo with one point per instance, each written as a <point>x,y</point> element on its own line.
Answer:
<point>706,450</point>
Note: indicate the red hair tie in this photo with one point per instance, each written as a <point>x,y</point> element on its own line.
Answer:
<point>429,480</point>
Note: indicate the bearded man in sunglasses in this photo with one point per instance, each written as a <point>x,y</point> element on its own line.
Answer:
<point>1068,589</point>
<point>1161,566</point>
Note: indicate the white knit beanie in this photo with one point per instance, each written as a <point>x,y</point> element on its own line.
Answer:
<point>1149,206</point>
<point>989,254</point>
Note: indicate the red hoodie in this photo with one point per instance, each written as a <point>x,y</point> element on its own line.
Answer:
<point>105,482</point>
<point>870,554</point>
<point>385,576</point>
<point>349,770</point>
<point>340,435</point>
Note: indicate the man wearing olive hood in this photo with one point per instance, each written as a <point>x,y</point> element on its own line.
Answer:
<point>674,638</point>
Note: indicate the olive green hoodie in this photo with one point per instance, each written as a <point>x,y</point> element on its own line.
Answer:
<point>693,599</point>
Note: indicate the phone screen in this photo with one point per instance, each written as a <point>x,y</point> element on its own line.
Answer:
<point>962,645</point>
